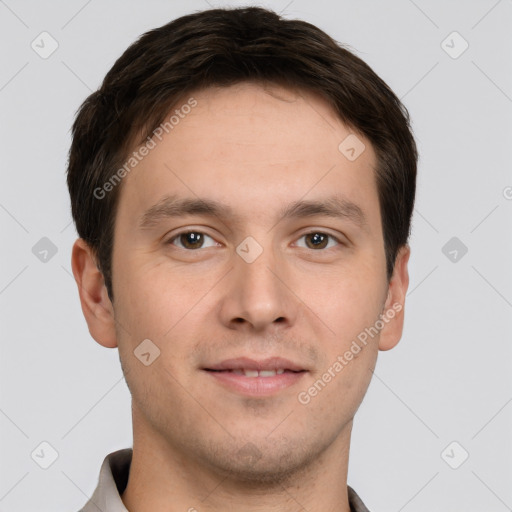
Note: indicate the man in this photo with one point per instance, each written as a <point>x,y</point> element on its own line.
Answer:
<point>243,188</point>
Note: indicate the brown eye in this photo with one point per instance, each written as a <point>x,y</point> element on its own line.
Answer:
<point>317,240</point>
<point>191,240</point>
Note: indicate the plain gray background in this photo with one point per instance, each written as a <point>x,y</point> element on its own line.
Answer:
<point>449,379</point>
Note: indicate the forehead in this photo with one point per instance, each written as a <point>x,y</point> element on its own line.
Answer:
<point>254,148</point>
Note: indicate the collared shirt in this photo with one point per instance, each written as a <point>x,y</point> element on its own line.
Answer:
<point>114,478</point>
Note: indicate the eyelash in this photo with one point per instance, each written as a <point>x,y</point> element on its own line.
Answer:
<point>315,232</point>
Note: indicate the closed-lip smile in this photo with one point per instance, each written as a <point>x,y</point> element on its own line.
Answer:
<point>256,377</point>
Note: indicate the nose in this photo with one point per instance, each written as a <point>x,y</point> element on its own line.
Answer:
<point>257,296</point>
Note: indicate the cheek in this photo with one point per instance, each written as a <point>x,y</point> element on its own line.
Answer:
<point>154,298</point>
<point>152,305</point>
<point>347,301</point>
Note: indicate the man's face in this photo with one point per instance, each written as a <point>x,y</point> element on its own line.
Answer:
<point>250,283</point>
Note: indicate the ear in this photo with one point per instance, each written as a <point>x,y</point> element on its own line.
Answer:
<point>395,302</point>
<point>96,306</point>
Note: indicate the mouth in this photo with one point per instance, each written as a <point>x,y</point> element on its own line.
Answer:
<point>256,378</point>
<point>246,372</point>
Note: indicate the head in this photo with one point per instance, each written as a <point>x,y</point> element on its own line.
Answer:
<point>243,185</point>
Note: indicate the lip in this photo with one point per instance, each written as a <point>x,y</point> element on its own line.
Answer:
<point>256,386</point>
<point>271,363</point>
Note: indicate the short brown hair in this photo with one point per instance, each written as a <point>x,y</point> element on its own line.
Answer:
<point>222,47</point>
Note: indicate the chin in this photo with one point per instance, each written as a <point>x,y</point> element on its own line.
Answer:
<point>256,465</point>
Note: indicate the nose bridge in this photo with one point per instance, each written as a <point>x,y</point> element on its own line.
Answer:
<point>257,273</point>
<point>257,296</point>
<point>253,269</point>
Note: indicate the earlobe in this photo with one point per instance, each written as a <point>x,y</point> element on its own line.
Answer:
<point>96,305</point>
<point>395,301</point>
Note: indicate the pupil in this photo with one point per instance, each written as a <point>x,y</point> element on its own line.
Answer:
<point>192,240</point>
<point>318,239</point>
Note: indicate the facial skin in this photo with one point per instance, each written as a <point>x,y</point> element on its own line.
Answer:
<point>255,152</point>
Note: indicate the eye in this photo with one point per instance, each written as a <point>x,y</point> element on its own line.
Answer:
<point>318,240</point>
<point>192,240</point>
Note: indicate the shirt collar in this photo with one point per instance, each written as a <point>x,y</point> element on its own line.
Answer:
<point>111,484</point>
<point>114,478</point>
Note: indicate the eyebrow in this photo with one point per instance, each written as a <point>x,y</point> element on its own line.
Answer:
<point>333,206</point>
<point>173,206</point>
